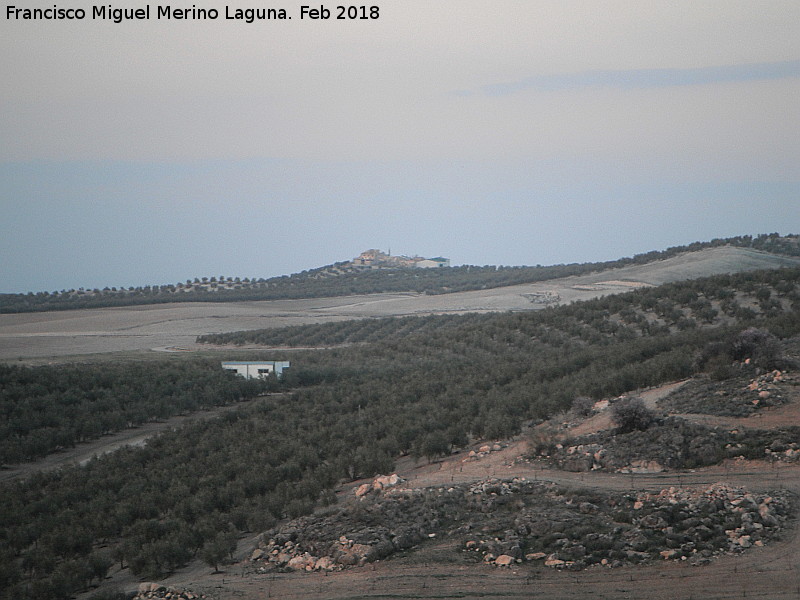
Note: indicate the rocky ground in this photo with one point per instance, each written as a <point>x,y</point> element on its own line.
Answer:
<point>505,522</point>
<point>491,522</point>
<point>678,439</point>
<point>739,396</point>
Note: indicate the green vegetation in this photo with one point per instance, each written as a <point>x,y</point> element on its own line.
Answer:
<point>718,301</point>
<point>340,279</point>
<point>630,414</point>
<point>48,408</point>
<point>421,387</point>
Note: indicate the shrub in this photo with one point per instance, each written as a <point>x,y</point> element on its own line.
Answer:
<point>760,346</point>
<point>583,406</point>
<point>630,414</point>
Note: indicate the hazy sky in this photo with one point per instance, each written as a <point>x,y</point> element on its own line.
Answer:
<point>502,132</point>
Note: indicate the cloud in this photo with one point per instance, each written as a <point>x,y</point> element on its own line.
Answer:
<point>642,78</point>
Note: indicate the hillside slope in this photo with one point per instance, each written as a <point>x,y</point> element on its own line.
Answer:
<point>348,278</point>
<point>89,331</point>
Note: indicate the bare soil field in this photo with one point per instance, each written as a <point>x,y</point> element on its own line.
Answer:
<point>175,326</point>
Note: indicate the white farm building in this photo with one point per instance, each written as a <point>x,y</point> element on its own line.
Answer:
<point>256,369</point>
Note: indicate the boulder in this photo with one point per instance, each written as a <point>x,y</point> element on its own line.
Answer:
<point>148,586</point>
<point>552,561</point>
<point>384,481</point>
<point>324,563</point>
<point>347,559</point>
<point>652,521</point>
<point>302,562</point>
<point>535,556</point>
<point>504,560</point>
<point>363,489</point>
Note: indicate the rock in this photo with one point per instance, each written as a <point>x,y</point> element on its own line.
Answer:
<point>764,395</point>
<point>496,447</point>
<point>347,559</point>
<point>745,541</point>
<point>302,562</point>
<point>667,554</point>
<point>644,466</point>
<point>652,521</point>
<point>535,556</point>
<point>485,448</point>
<point>552,561</point>
<point>324,563</point>
<point>257,553</point>
<point>504,560</point>
<point>148,586</point>
<point>363,490</point>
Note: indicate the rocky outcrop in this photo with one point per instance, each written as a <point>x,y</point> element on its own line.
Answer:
<point>504,523</point>
<point>380,483</point>
<point>766,390</point>
<point>150,590</point>
<point>483,451</point>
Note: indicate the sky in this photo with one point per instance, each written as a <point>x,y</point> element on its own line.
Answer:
<point>510,132</point>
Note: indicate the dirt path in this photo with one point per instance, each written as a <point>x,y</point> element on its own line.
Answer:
<point>602,420</point>
<point>766,418</point>
<point>137,436</point>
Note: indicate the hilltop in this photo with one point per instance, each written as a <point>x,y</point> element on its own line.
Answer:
<point>177,325</point>
<point>372,272</point>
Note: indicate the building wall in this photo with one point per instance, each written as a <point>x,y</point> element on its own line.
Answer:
<point>432,264</point>
<point>253,369</point>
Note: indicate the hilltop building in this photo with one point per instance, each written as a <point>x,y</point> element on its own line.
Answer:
<point>433,263</point>
<point>376,259</point>
<point>256,369</point>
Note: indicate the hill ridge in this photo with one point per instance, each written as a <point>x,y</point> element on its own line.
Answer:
<point>345,278</point>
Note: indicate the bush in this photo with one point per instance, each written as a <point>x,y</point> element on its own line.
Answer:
<point>761,347</point>
<point>583,406</point>
<point>630,414</point>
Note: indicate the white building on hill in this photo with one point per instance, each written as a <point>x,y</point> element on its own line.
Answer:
<point>432,263</point>
<point>256,369</point>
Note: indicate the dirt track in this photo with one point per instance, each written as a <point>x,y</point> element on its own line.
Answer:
<point>85,451</point>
